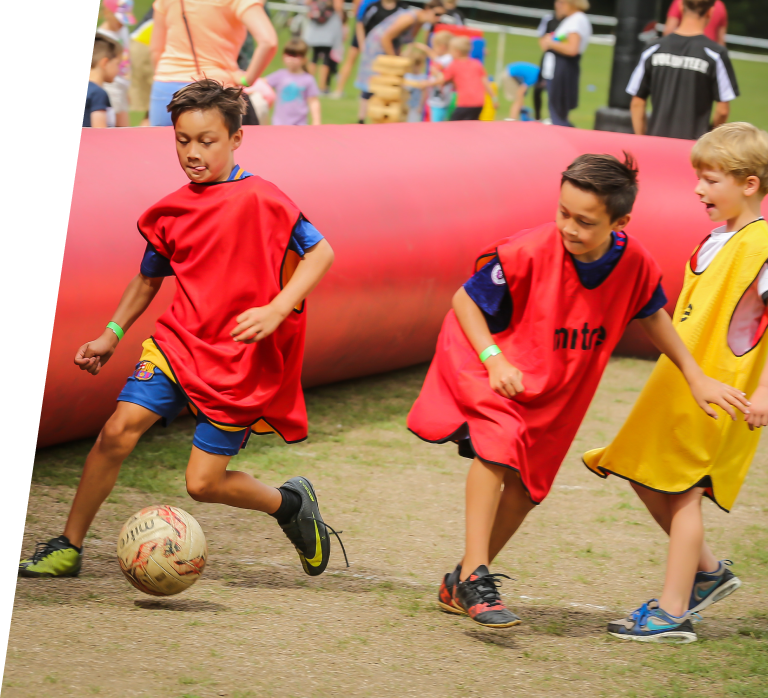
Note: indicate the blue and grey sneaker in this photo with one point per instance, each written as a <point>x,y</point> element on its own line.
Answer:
<point>711,587</point>
<point>649,623</point>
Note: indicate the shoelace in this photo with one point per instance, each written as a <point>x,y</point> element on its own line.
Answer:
<point>41,550</point>
<point>641,615</point>
<point>488,586</point>
<point>338,538</point>
<point>295,537</point>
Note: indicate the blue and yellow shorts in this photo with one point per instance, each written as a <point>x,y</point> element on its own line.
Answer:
<point>152,389</point>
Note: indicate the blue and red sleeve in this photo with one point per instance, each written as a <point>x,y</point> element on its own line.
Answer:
<point>488,289</point>
<point>154,265</point>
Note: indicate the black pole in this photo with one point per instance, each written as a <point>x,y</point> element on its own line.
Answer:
<point>637,19</point>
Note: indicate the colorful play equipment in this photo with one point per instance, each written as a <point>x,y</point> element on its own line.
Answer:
<point>407,208</point>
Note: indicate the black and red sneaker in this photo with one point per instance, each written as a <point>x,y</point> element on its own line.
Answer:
<point>479,595</point>
<point>446,599</point>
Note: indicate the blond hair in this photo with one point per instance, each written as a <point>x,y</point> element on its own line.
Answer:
<point>738,149</point>
<point>441,38</point>
<point>418,58</point>
<point>580,5</point>
<point>461,44</point>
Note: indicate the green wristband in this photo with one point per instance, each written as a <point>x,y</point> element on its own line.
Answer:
<point>119,330</point>
<point>492,350</point>
<point>244,82</point>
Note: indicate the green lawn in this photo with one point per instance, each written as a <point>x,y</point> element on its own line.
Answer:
<point>595,79</point>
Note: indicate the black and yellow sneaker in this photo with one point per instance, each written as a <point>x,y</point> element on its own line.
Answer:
<point>307,530</point>
<point>56,558</point>
<point>479,597</point>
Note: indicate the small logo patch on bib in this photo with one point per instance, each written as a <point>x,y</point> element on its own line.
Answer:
<point>497,275</point>
<point>144,371</point>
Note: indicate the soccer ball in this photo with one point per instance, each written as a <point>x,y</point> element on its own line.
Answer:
<point>162,550</point>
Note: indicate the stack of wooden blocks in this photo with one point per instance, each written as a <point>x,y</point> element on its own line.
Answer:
<point>388,103</point>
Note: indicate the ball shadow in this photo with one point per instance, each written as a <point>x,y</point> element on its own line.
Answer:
<point>183,605</point>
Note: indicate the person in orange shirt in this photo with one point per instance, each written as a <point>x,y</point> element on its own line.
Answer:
<point>202,39</point>
<point>716,28</point>
<point>469,80</point>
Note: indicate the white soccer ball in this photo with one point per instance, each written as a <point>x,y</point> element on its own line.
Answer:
<point>162,550</point>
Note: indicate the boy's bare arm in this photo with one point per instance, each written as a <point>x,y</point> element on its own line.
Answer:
<point>706,391</point>
<point>505,379</point>
<point>258,323</point>
<point>758,410</point>
<point>136,299</point>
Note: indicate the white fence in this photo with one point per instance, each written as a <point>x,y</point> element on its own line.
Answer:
<point>533,13</point>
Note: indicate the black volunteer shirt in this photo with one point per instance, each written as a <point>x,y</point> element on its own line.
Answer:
<point>376,14</point>
<point>683,76</point>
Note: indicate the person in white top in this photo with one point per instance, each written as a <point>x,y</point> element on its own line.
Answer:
<point>562,62</point>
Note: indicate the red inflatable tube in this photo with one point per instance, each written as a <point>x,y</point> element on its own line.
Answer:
<point>406,208</point>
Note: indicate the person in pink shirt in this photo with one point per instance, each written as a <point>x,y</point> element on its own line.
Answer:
<point>469,80</point>
<point>201,39</point>
<point>715,30</point>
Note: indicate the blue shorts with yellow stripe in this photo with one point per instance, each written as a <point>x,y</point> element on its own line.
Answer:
<point>149,387</point>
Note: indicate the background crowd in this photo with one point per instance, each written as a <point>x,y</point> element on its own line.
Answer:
<point>139,64</point>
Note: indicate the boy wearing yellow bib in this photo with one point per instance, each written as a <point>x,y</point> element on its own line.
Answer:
<point>668,450</point>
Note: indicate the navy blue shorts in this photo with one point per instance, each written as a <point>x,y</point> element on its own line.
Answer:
<point>151,388</point>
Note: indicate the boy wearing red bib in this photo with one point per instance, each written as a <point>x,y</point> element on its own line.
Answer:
<point>666,449</point>
<point>520,356</point>
<point>230,345</point>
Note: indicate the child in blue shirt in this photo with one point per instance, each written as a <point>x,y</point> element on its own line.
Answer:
<point>105,65</point>
<point>518,77</point>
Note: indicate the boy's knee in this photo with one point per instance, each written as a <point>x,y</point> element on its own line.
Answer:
<point>118,436</point>
<point>202,490</point>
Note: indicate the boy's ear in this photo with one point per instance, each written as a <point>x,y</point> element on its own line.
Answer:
<point>237,139</point>
<point>751,185</point>
<point>621,223</point>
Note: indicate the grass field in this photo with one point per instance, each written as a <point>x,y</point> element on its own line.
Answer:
<point>255,625</point>
<point>752,106</point>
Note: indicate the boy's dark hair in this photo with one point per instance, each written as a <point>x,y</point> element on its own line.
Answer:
<point>209,94</point>
<point>700,7</point>
<point>614,182</point>
<point>296,47</point>
<point>104,47</point>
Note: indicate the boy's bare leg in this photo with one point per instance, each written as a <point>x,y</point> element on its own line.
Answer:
<point>686,538</point>
<point>114,444</point>
<point>659,504</point>
<point>483,495</point>
<point>208,480</point>
<point>514,506</point>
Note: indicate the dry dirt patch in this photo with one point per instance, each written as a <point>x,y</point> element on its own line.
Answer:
<point>255,625</point>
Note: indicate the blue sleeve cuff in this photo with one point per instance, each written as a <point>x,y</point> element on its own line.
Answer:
<point>305,235</point>
<point>489,291</point>
<point>154,265</point>
<point>657,302</point>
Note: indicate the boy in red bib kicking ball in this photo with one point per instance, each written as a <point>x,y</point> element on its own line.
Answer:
<point>520,356</point>
<point>230,345</point>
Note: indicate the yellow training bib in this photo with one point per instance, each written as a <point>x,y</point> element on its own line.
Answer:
<point>668,443</point>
